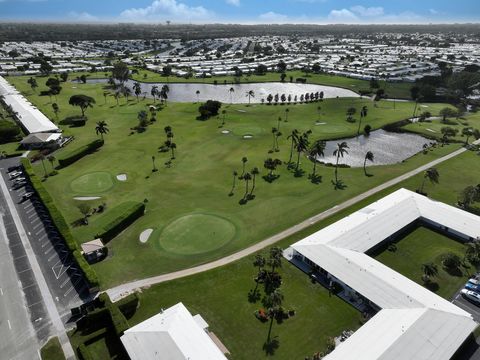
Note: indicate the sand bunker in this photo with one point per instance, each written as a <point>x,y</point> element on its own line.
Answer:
<point>86,198</point>
<point>225,131</point>
<point>122,177</point>
<point>247,136</point>
<point>145,235</point>
<point>320,123</point>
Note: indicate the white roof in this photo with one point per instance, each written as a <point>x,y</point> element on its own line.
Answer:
<point>414,323</point>
<point>171,335</point>
<point>32,119</point>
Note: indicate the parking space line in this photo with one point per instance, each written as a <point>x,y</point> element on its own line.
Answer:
<point>28,286</point>
<point>9,325</point>
<point>37,225</point>
<point>38,302</point>
<point>1,291</point>
<point>39,231</point>
<point>20,272</point>
<point>14,259</point>
<point>28,206</point>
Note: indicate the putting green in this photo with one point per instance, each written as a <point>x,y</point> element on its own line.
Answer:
<point>244,128</point>
<point>92,183</point>
<point>196,234</point>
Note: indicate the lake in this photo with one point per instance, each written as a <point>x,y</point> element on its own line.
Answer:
<point>187,92</point>
<point>387,147</point>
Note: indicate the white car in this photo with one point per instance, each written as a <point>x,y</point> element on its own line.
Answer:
<point>471,296</point>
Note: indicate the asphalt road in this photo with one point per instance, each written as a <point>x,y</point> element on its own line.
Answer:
<point>18,339</point>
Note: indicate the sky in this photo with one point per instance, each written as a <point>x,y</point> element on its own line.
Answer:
<point>244,11</point>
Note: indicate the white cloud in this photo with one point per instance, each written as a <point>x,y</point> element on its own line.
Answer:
<point>167,9</point>
<point>233,2</point>
<point>367,11</point>
<point>82,16</point>
<point>273,17</point>
<point>433,11</point>
<point>343,15</point>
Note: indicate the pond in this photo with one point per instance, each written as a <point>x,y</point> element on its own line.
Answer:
<point>387,147</point>
<point>187,92</point>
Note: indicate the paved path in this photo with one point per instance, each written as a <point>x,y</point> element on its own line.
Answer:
<point>57,323</point>
<point>124,289</point>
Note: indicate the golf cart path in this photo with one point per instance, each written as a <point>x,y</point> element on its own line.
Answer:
<point>120,291</point>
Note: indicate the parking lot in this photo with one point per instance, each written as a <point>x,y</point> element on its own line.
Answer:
<point>63,277</point>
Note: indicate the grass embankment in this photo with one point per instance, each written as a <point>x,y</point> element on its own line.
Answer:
<point>52,350</point>
<point>200,179</point>
<point>396,90</point>
<point>220,295</point>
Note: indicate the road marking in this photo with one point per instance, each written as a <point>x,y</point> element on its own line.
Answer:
<point>36,226</point>
<point>1,291</point>
<point>9,325</point>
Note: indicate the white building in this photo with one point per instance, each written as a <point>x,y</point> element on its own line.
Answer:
<point>413,323</point>
<point>173,334</point>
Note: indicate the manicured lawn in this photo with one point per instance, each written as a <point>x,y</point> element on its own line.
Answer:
<point>397,90</point>
<point>52,350</point>
<point>200,179</point>
<point>220,295</point>
<point>422,246</point>
<point>434,128</point>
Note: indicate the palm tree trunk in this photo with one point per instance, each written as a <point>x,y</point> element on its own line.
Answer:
<point>423,184</point>
<point>359,125</point>
<point>246,189</point>
<point>270,329</point>
<point>336,170</point>
<point>291,153</point>
<point>253,185</point>
<point>233,184</point>
<point>365,166</point>
<point>298,161</point>
<point>314,167</point>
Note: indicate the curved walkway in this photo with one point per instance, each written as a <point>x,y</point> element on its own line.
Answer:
<point>125,289</point>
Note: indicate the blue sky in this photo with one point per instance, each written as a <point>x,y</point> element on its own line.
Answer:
<point>243,11</point>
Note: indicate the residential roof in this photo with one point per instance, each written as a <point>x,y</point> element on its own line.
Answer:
<point>32,119</point>
<point>170,335</point>
<point>414,323</point>
<point>37,138</point>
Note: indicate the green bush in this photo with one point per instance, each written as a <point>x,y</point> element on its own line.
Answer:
<point>84,353</point>
<point>124,215</point>
<point>60,224</point>
<point>119,321</point>
<point>76,154</point>
<point>8,131</point>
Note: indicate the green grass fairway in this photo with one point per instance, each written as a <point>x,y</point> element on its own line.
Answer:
<point>196,234</point>
<point>92,183</point>
<point>200,177</point>
<point>224,290</point>
<point>422,246</point>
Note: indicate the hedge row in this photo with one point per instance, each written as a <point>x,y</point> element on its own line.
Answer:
<point>60,224</point>
<point>120,323</point>
<point>127,212</point>
<point>76,154</point>
<point>84,353</point>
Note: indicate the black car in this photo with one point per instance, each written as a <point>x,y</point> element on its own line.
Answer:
<point>15,168</point>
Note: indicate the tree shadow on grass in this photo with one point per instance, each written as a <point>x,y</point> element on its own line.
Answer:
<point>253,296</point>
<point>270,346</point>
<point>315,179</point>
<point>298,173</point>
<point>270,177</point>
<point>339,185</point>
<point>432,286</point>
<point>454,271</point>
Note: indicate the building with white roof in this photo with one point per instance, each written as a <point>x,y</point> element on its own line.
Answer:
<point>173,334</point>
<point>31,119</point>
<point>413,322</point>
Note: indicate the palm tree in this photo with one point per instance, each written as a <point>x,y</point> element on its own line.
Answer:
<point>56,109</point>
<point>232,90</point>
<point>302,146</point>
<point>105,94</point>
<point>164,93</point>
<point>126,92</point>
<point>247,177</point>
<point>294,137</point>
<point>101,128</point>
<point>235,174</point>
<point>368,156</point>
<point>317,150</point>
<point>275,258</point>
<point>467,132</point>
<point>173,146</point>
<point>154,92</point>
<point>274,301</point>
<point>430,174</point>
<point>250,94</point>
<point>244,161</point>
<point>429,270</point>
<point>42,158</point>
<point>287,110</point>
<point>51,159</point>
<point>340,151</point>
<point>363,113</point>
<point>198,95</point>
<point>255,172</point>
<point>224,113</point>
<point>154,168</point>
<point>278,122</point>
<point>277,135</point>
<point>137,88</point>
<point>274,131</point>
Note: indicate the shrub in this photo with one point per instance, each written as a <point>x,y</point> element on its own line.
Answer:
<point>8,131</point>
<point>84,353</point>
<point>367,129</point>
<point>451,261</point>
<point>60,223</point>
<point>209,109</point>
<point>76,154</point>
<point>124,215</point>
<point>119,321</point>
<point>72,120</point>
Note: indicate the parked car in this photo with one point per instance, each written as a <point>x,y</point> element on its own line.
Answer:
<point>471,296</point>
<point>18,179</point>
<point>15,168</point>
<point>473,285</point>
<point>15,174</point>
<point>28,195</point>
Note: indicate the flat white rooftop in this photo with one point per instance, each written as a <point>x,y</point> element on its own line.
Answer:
<point>414,323</point>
